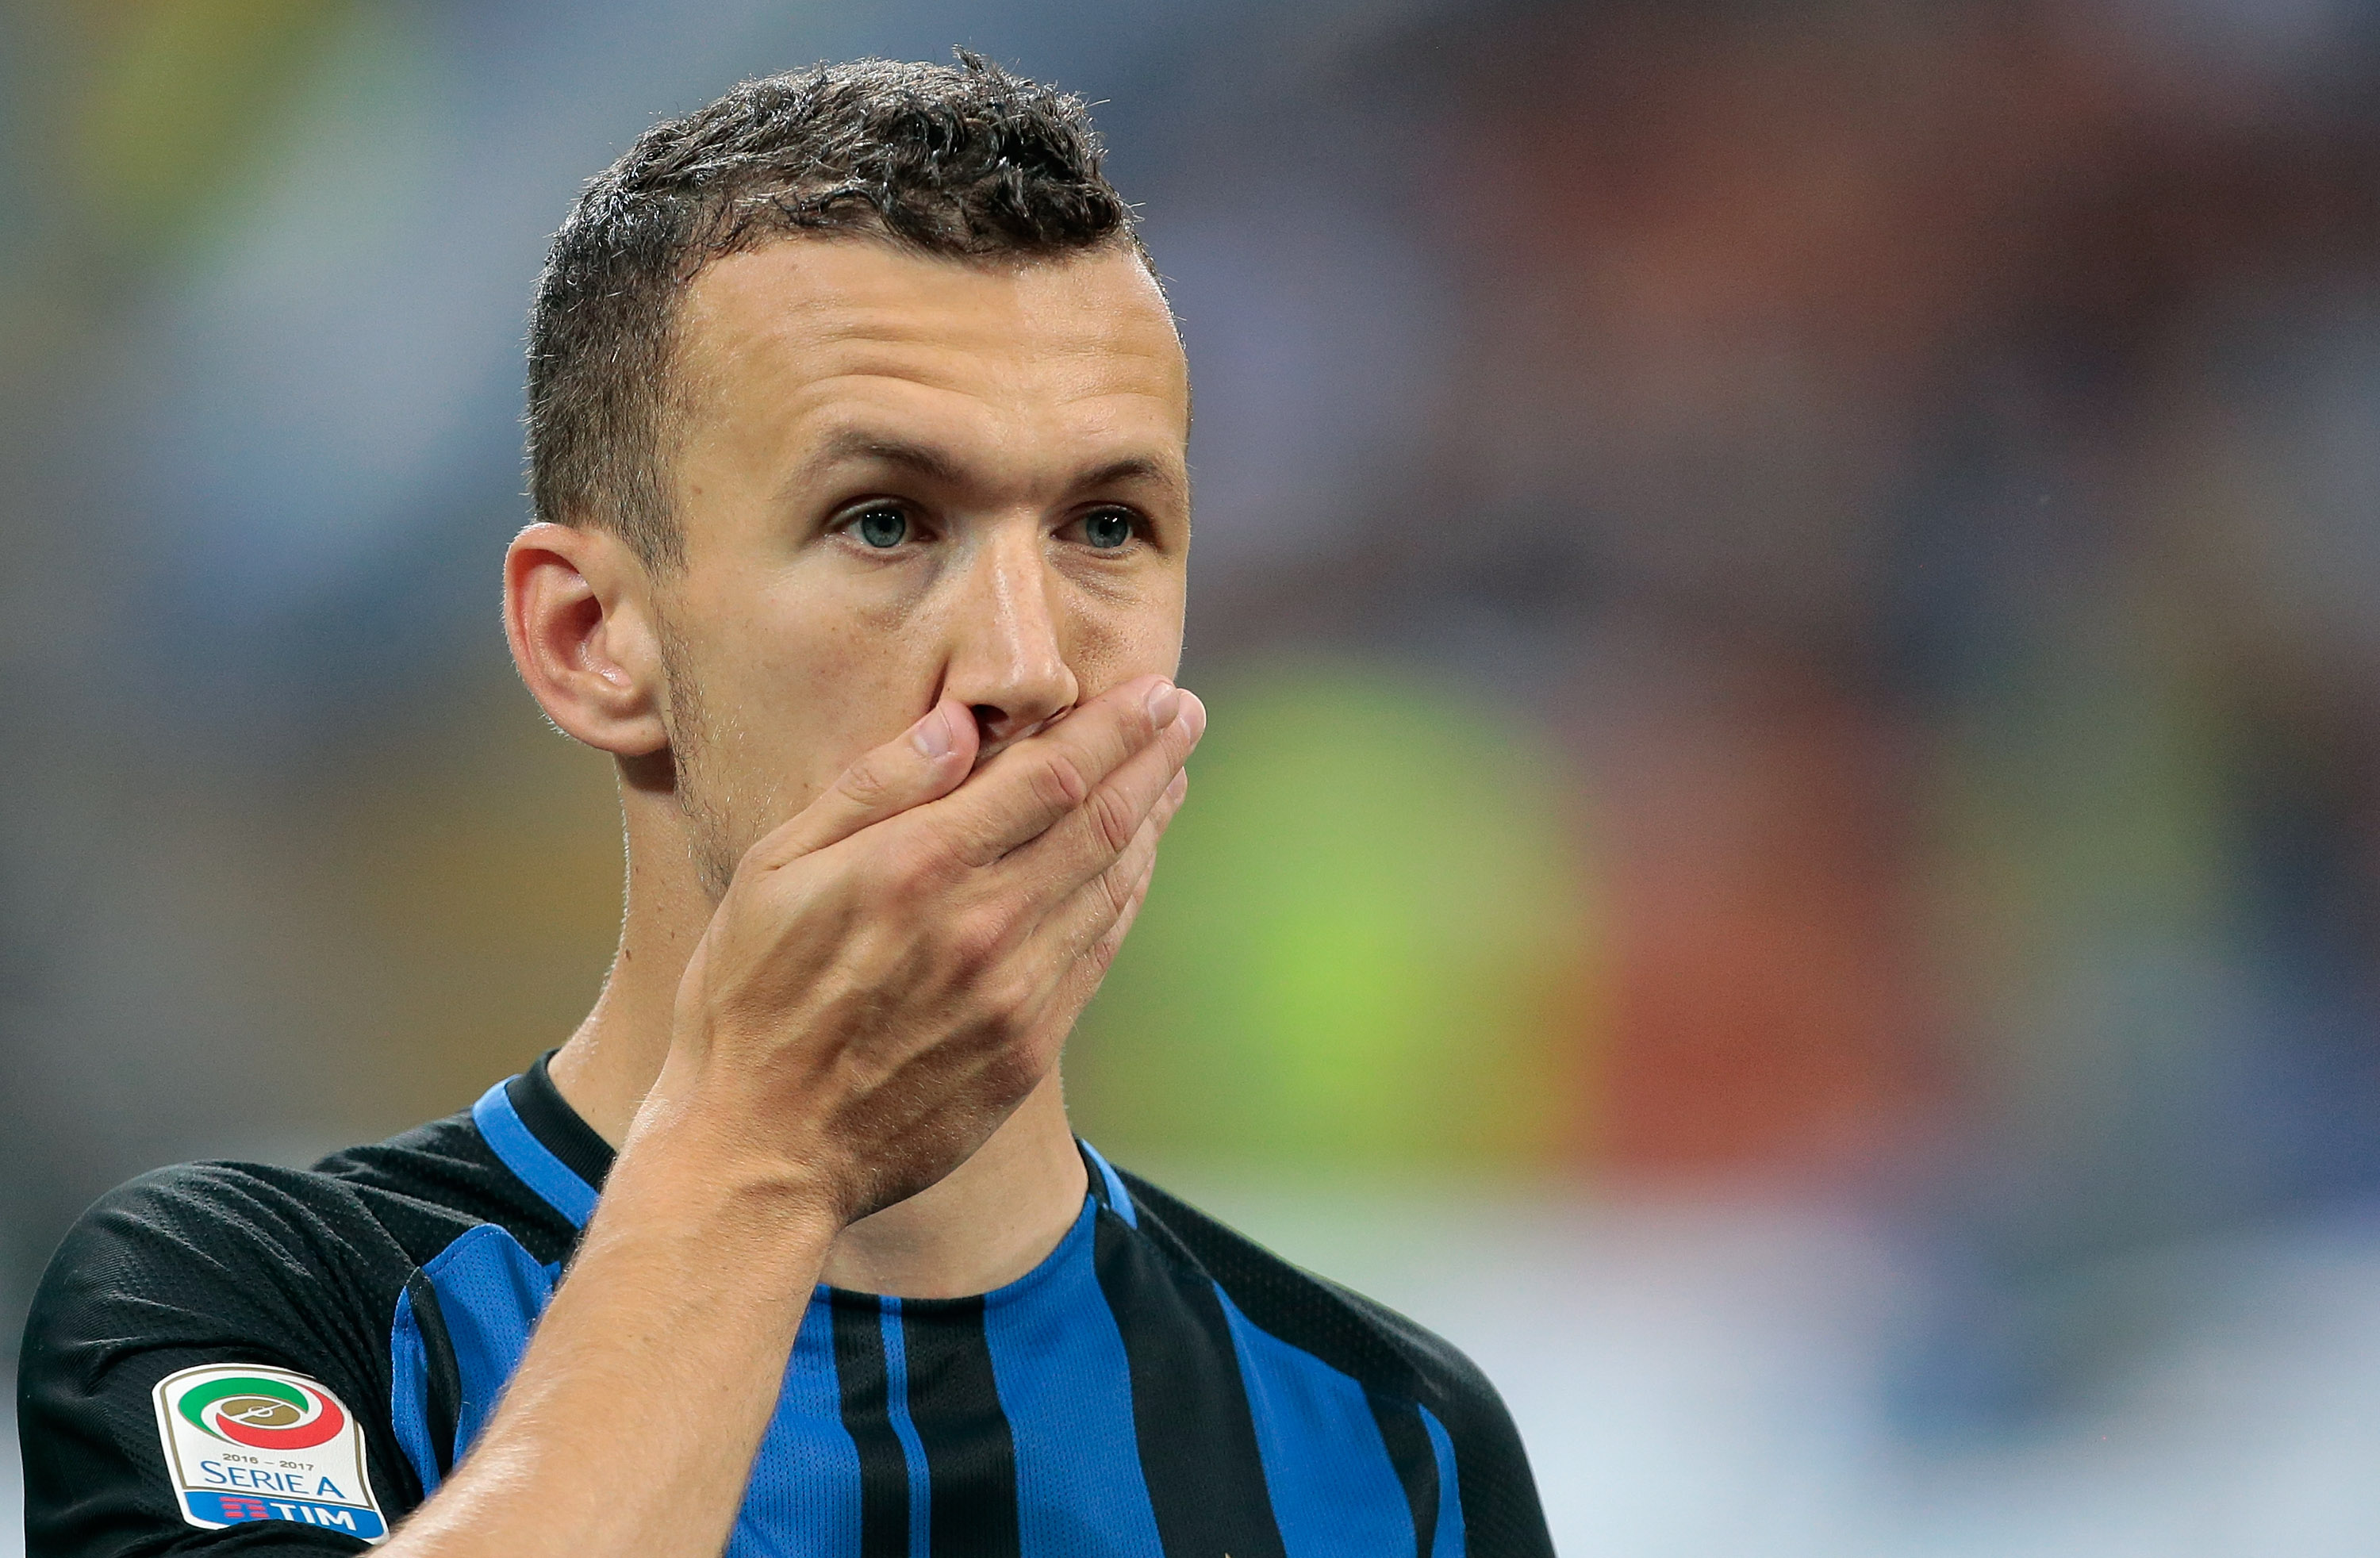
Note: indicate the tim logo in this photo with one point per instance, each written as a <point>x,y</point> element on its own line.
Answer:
<point>232,1509</point>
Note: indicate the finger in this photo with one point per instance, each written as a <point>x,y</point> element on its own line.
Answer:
<point>923,763</point>
<point>1031,785</point>
<point>1093,963</point>
<point>1078,951</point>
<point>1098,909</point>
<point>1088,842</point>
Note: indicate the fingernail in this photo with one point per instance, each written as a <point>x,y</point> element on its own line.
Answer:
<point>931,735</point>
<point>1163,702</point>
<point>1194,711</point>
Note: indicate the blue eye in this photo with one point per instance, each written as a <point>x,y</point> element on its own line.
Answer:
<point>1108,529</point>
<point>883,527</point>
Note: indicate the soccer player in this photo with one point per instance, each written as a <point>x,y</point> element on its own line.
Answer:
<point>857,442</point>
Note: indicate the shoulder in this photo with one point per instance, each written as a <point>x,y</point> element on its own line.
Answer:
<point>1390,1357</point>
<point>429,1183</point>
<point>212,1231</point>
<point>390,1205</point>
<point>288,1267</point>
<point>1359,1337</point>
<point>279,1272</point>
<point>285,1272</point>
<point>216,1248</point>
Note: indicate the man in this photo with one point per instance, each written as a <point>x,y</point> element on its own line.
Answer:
<point>857,440</point>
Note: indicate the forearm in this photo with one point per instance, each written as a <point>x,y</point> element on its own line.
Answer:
<point>630,1426</point>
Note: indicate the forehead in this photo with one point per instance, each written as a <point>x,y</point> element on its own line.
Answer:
<point>808,326</point>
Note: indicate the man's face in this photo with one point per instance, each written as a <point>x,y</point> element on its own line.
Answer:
<point>904,479</point>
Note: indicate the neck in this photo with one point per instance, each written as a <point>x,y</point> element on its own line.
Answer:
<point>989,1222</point>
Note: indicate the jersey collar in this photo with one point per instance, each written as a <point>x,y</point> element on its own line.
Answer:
<point>531,1126</point>
<point>527,1123</point>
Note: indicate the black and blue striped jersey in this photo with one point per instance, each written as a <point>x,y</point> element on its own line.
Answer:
<point>236,1358</point>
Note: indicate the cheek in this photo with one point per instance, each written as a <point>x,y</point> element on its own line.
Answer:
<point>1118,636</point>
<point>806,686</point>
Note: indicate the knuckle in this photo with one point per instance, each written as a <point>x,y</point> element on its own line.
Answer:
<point>1114,820</point>
<point>1007,993</point>
<point>1137,727</point>
<point>975,940</point>
<point>1011,1002</point>
<point>1125,896</point>
<point>1117,885</point>
<point>865,781</point>
<point>771,851</point>
<point>1060,781</point>
<point>912,866</point>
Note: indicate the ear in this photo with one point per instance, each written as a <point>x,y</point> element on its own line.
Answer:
<point>578,615</point>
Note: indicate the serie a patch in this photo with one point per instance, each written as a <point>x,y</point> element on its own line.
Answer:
<point>244,1442</point>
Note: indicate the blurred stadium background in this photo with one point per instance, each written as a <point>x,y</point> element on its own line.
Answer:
<point>1790,594</point>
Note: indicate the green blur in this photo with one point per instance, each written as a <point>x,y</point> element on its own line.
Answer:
<point>1367,946</point>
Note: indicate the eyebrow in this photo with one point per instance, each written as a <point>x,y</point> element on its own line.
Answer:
<point>936,465</point>
<point>859,443</point>
<point>1132,468</point>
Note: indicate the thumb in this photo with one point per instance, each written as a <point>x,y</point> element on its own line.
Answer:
<point>923,762</point>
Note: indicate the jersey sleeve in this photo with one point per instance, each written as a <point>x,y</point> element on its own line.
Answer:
<point>206,1369</point>
<point>1374,1344</point>
<point>1501,1514</point>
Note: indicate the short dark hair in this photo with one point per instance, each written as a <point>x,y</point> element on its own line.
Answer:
<point>961,160</point>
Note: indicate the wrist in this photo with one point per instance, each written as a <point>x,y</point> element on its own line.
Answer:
<point>696,1157</point>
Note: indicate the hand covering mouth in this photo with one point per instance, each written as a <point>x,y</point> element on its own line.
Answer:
<point>990,750</point>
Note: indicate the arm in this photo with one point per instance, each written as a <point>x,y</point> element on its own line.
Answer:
<point>890,973</point>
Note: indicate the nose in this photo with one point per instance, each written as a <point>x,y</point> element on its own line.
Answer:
<point>1008,661</point>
